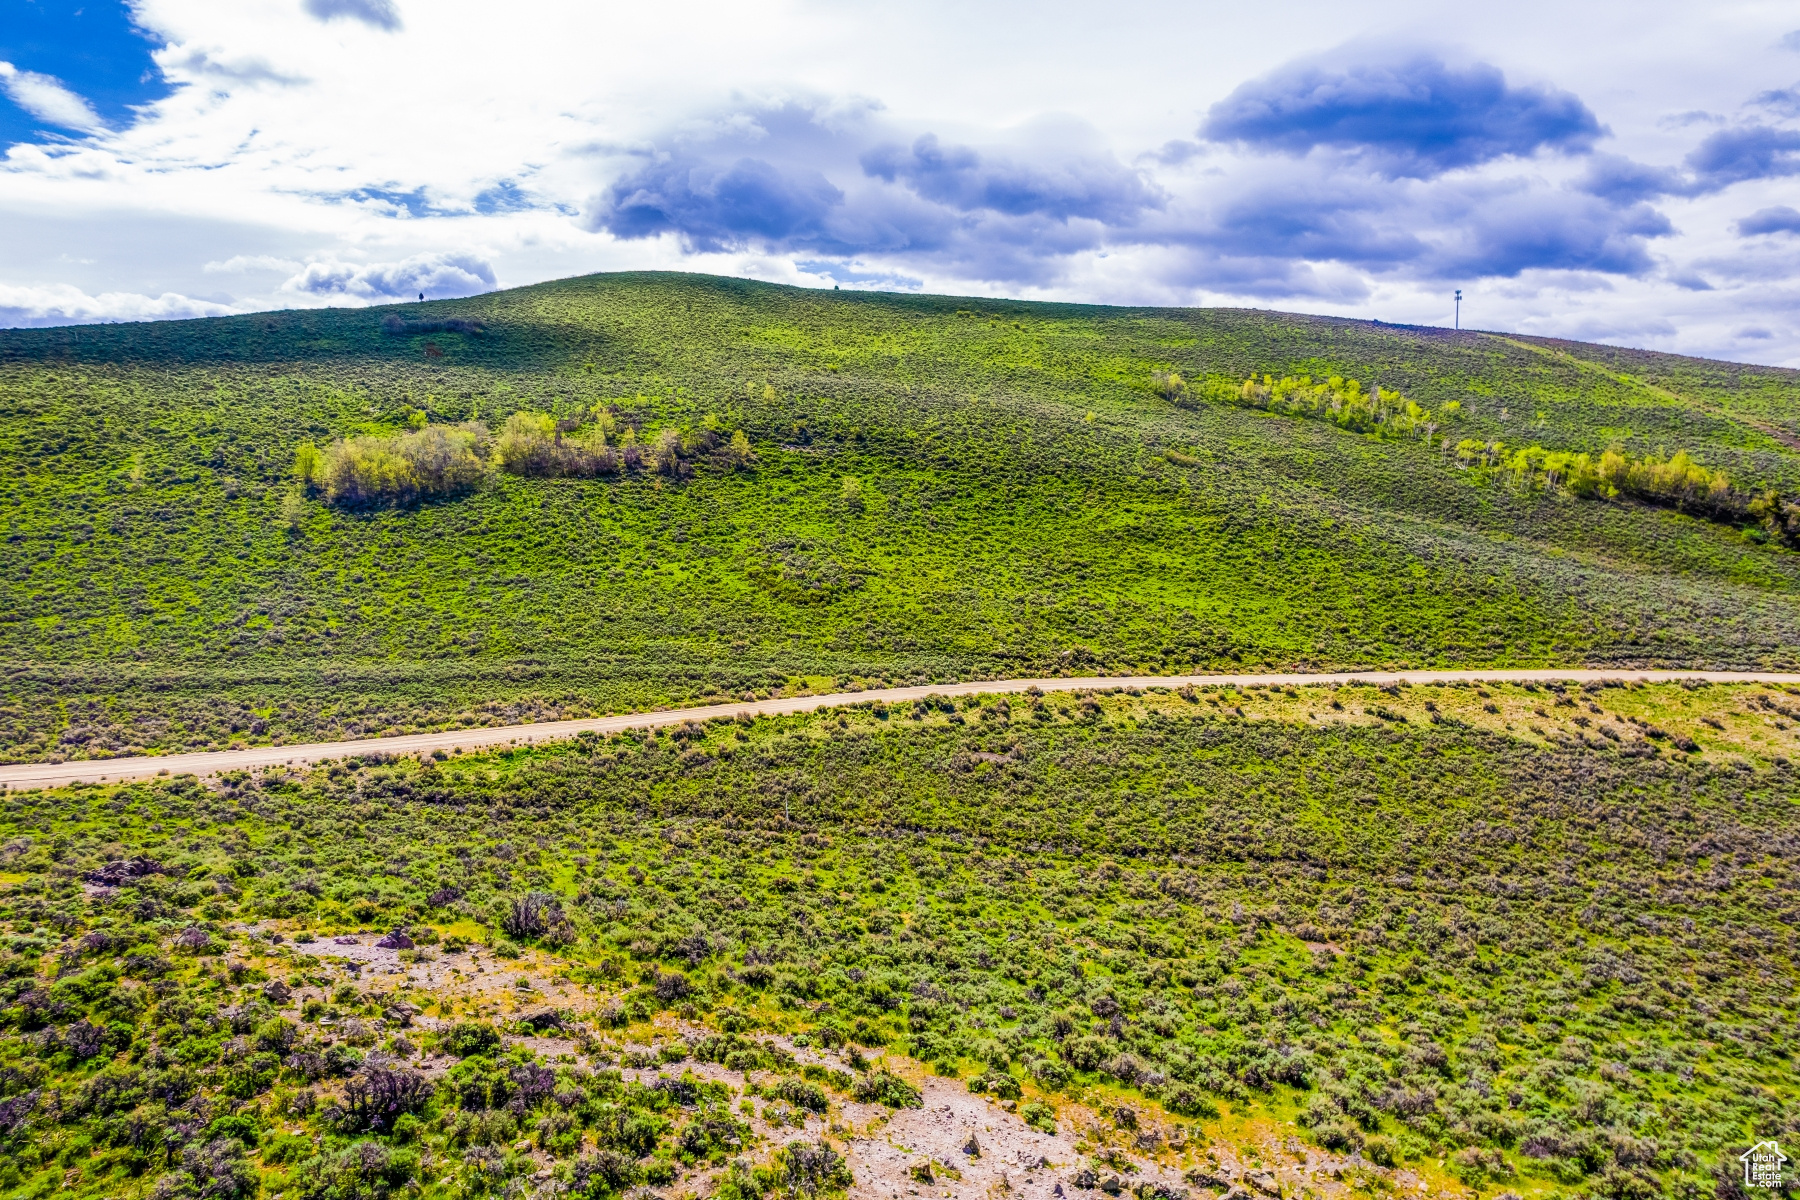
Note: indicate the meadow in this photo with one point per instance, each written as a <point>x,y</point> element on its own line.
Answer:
<point>934,488</point>
<point>1399,924</point>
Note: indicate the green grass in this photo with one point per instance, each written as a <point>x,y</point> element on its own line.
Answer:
<point>1019,514</point>
<point>1531,938</point>
<point>1554,966</point>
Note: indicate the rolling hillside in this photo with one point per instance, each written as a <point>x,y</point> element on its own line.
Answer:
<point>1415,938</point>
<point>1024,498</point>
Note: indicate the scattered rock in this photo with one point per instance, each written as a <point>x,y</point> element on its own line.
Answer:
<point>1264,1182</point>
<point>1112,1185</point>
<point>343,941</point>
<point>193,938</point>
<point>396,940</point>
<point>972,1148</point>
<point>277,992</point>
<point>1086,1179</point>
<point>1148,1190</point>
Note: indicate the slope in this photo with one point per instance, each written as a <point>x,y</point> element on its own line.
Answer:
<point>942,488</point>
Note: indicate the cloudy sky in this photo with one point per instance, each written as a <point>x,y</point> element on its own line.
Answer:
<point>1625,172</point>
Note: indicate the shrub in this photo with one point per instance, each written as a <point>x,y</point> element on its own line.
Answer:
<point>538,915</point>
<point>403,469</point>
<point>1189,1101</point>
<point>802,1094</point>
<point>366,1170</point>
<point>467,1039</point>
<point>809,1169</point>
<point>215,1170</point>
<point>534,444</point>
<point>378,1097</point>
<point>604,1172</point>
<point>884,1087</point>
<point>998,1083</point>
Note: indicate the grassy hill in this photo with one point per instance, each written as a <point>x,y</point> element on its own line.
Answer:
<point>1024,501</point>
<point>1533,940</point>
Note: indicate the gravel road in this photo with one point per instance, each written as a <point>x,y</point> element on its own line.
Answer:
<point>45,775</point>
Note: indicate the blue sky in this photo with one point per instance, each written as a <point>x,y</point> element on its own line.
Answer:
<point>93,53</point>
<point>1621,172</point>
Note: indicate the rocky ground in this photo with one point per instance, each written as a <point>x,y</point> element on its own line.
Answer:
<point>959,1146</point>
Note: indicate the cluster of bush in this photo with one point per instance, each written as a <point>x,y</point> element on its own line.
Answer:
<point>433,461</point>
<point>399,469</point>
<point>1675,482</point>
<point>1341,401</point>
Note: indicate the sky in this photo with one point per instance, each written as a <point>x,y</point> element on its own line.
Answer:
<point>1617,172</point>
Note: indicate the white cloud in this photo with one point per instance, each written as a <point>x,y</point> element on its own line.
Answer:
<point>62,304</point>
<point>435,275</point>
<point>239,263</point>
<point>45,98</point>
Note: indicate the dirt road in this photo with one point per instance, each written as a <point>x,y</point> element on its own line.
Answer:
<point>43,775</point>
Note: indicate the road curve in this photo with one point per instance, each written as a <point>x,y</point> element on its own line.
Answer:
<point>118,770</point>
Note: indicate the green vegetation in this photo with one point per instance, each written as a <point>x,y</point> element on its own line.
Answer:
<point>401,469</point>
<point>1338,400</point>
<point>1557,965</point>
<point>922,490</point>
<point>1678,482</point>
<point>1533,939</point>
<point>435,462</point>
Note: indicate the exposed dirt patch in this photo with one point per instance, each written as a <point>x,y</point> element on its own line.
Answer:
<point>959,1146</point>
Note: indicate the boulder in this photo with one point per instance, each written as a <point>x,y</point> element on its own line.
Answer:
<point>114,874</point>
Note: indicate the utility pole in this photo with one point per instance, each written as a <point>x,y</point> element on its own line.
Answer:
<point>1459,308</point>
